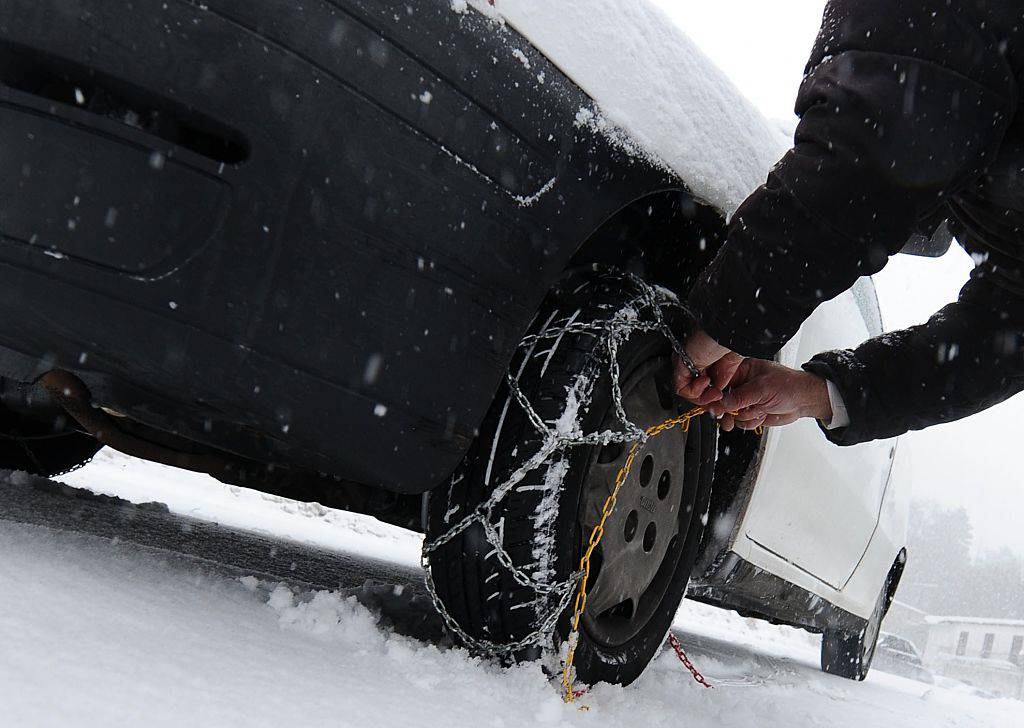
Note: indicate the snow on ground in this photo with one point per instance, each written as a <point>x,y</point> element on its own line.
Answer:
<point>102,633</point>
<point>200,496</point>
<point>648,78</point>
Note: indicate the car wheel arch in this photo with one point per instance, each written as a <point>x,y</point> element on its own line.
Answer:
<point>665,235</point>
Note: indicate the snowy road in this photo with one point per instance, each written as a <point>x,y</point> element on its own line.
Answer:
<point>31,500</point>
<point>116,615</point>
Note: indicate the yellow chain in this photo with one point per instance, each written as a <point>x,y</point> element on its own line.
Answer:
<point>682,421</point>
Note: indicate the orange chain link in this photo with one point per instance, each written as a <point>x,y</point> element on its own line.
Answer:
<point>682,421</point>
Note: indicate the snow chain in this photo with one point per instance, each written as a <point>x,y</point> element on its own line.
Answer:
<point>618,327</point>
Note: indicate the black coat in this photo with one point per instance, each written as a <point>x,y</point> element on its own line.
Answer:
<point>909,113</point>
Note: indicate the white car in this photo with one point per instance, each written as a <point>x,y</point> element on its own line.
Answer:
<point>423,259</point>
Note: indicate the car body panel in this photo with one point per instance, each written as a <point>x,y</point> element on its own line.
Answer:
<point>371,155</point>
<point>810,492</point>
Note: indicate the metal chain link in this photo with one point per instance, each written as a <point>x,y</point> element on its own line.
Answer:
<point>673,642</point>
<point>678,647</point>
<point>31,455</point>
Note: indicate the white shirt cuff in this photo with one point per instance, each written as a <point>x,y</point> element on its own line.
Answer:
<point>840,417</point>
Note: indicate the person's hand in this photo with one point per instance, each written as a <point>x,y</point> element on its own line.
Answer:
<point>716,364</point>
<point>764,393</point>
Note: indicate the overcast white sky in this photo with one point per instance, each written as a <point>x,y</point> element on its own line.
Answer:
<point>975,462</point>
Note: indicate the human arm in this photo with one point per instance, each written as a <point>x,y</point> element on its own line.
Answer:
<point>903,104</point>
<point>767,394</point>
<point>966,358</point>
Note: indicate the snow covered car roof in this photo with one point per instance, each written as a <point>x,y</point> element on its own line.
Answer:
<point>650,80</point>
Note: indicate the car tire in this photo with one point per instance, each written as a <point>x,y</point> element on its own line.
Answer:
<point>849,654</point>
<point>41,449</point>
<point>653,534</point>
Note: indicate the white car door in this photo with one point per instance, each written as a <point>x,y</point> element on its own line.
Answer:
<point>815,504</point>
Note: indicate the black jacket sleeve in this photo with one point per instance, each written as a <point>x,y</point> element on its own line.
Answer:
<point>966,358</point>
<point>903,103</point>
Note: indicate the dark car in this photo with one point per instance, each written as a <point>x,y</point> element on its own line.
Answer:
<point>899,656</point>
<point>359,251</point>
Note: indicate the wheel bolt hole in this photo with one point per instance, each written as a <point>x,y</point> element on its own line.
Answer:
<point>632,522</point>
<point>664,484</point>
<point>650,536</point>
<point>646,471</point>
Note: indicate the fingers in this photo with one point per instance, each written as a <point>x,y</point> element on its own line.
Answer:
<point>730,422</point>
<point>700,390</point>
<point>706,388</point>
<point>741,397</point>
<point>682,378</point>
<point>724,370</point>
<point>761,393</point>
<point>750,419</point>
<point>709,397</point>
<point>691,388</point>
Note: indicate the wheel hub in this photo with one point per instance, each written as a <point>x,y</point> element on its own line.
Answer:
<point>645,533</point>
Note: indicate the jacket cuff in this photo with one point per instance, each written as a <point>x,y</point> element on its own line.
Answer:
<point>843,369</point>
<point>840,417</point>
